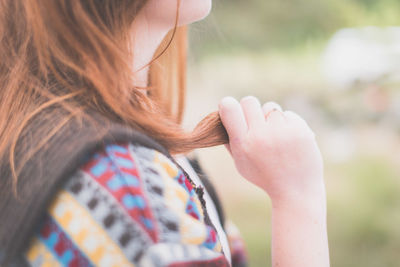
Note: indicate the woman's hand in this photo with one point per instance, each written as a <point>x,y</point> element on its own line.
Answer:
<point>274,149</point>
<point>277,151</point>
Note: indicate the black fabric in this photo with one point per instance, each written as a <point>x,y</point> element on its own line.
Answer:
<point>45,173</point>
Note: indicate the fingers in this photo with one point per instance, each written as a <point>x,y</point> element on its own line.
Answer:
<point>295,118</point>
<point>238,118</point>
<point>273,112</point>
<point>252,111</point>
<point>233,118</point>
<point>269,106</point>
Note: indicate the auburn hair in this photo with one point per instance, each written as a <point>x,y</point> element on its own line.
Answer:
<point>78,55</point>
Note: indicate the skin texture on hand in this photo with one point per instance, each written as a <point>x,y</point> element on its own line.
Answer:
<point>277,151</point>
<point>273,149</point>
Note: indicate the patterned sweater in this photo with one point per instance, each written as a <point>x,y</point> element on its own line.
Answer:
<point>129,206</point>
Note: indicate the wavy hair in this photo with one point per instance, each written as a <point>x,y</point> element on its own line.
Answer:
<point>78,55</point>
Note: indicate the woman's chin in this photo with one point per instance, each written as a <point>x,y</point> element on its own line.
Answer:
<point>163,12</point>
<point>194,10</point>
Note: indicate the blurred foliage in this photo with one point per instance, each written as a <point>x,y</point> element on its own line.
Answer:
<point>284,24</point>
<point>363,221</point>
<point>272,49</point>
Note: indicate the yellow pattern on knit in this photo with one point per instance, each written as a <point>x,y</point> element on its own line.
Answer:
<point>38,254</point>
<point>192,231</point>
<point>86,233</point>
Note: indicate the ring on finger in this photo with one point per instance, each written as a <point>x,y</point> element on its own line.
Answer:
<point>273,110</point>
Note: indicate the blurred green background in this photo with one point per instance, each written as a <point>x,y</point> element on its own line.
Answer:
<point>274,49</point>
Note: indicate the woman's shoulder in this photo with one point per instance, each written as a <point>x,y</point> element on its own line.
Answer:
<point>126,205</point>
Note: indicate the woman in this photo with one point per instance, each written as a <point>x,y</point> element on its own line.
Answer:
<point>89,116</point>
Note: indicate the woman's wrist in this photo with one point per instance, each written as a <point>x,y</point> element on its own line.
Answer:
<point>307,190</point>
<point>309,202</point>
<point>299,232</point>
<point>301,208</point>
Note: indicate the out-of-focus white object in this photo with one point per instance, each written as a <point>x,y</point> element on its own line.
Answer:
<point>339,145</point>
<point>363,55</point>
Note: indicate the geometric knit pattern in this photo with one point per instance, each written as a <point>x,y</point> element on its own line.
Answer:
<point>126,206</point>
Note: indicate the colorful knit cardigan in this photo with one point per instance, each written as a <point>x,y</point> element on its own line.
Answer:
<point>129,206</point>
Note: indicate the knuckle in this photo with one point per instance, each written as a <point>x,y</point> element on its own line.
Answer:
<point>271,105</point>
<point>304,136</point>
<point>228,103</point>
<point>248,99</point>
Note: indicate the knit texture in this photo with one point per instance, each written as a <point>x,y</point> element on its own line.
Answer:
<point>126,206</point>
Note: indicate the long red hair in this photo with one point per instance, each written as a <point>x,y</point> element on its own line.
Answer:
<point>77,55</point>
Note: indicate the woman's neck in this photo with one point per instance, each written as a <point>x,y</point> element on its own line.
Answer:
<point>147,37</point>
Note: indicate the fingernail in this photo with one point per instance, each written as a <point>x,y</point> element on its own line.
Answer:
<point>227,101</point>
<point>249,97</point>
<point>272,104</point>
